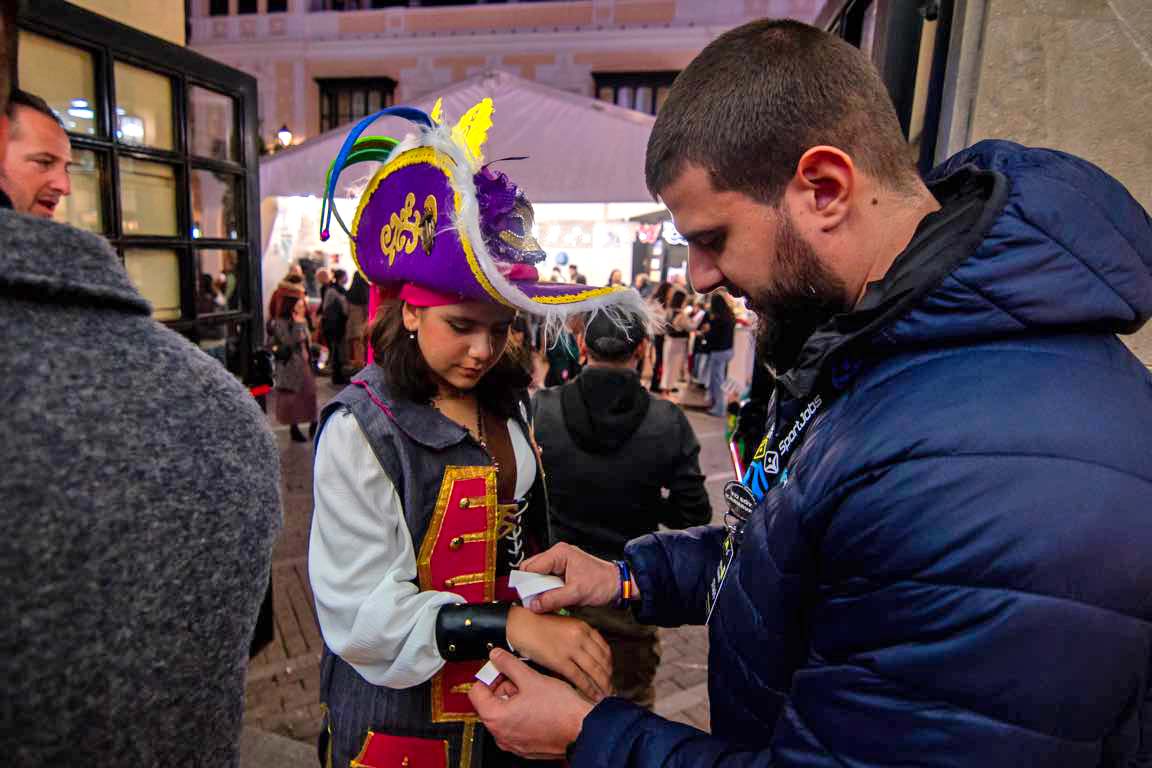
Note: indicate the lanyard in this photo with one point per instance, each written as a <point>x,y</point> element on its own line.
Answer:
<point>768,469</point>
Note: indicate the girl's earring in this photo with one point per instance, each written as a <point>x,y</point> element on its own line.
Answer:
<point>412,335</point>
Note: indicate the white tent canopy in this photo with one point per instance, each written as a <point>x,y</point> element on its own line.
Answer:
<point>579,150</point>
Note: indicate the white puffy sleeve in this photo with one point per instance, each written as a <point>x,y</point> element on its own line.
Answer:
<point>361,562</point>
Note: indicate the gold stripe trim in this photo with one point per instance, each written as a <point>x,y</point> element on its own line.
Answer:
<point>573,298</point>
<point>466,745</point>
<point>452,474</point>
<point>462,688</point>
<point>465,579</point>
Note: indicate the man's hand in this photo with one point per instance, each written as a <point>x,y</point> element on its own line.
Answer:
<point>588,580</point>
<point>566,646</point>
<point>529,714</point>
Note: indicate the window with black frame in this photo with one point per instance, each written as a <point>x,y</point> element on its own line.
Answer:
<point>345,100</point>
<point>159,170</point>
<point>641,91</point>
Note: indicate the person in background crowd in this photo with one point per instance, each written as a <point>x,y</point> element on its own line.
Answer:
<point>616,278</point>
<point>334,325</point>
<point>941,555</point>
<point>643,285</point>
<point>357,335</point>
<point>295,384</point>
<point>140,498</point>
<point>719,329</point>
<point>659,304</point>
<point>291,285</point>
<point>213,338</point>
<point>574,275</point>
<point>323,281</point>
<point>677,325</point>
<point>557,275</point>
<point>588,430</point>
<point>36,168</point>
<point>698,356</point>
<point>563,357</point>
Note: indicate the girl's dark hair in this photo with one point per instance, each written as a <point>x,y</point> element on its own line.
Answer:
<point>677,300</point>
<point>661,295</point>
<point>409,377</point>
<point>720,307</point>
<point>287,304</point>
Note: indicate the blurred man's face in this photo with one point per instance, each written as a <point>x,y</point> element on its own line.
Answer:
<point>35,171</point>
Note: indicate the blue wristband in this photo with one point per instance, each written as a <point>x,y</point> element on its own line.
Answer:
<point>625,594</point>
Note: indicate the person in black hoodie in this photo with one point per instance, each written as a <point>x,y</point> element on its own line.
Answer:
<point>610,450</point>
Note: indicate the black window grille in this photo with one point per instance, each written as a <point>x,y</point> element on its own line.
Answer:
<point>166,169</point>
<point>641,91</point>
<point>345,100</point>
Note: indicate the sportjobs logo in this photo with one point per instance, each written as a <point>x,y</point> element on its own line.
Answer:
<point>798,427</point>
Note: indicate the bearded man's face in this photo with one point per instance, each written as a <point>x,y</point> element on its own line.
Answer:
<point>755,250</point>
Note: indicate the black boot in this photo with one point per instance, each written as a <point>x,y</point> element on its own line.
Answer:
<point>297,435</point>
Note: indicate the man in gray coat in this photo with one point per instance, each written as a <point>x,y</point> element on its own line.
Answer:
<point>139,499</point>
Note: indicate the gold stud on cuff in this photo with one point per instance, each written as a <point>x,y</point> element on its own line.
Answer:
<point>451,648</point>
<point>467,622</point>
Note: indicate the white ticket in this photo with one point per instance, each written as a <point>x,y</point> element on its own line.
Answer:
<point>529,584</point>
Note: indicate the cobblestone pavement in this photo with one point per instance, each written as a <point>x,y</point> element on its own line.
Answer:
<point>283,680</point>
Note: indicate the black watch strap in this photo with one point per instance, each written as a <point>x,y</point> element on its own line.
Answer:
<point>469,631</point>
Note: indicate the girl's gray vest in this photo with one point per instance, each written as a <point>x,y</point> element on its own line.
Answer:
<point>414,444</point>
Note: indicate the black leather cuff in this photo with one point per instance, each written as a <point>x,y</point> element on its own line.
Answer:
<point>469,631</point>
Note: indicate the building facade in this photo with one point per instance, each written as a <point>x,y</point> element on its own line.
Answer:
<point>323,63</point>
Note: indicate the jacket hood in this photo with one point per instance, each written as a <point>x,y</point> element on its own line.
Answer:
<point>1027,240</point>
<point>50,262</point>
<point>1071,249</point>
<point>603,407</point>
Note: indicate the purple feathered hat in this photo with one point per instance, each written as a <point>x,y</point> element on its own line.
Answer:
<point>436,226</point>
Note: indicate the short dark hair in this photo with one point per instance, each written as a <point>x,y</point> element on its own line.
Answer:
<point>614,339</point>
<point>759,96</point>
<point>31,101</point>
<point>410,378</point>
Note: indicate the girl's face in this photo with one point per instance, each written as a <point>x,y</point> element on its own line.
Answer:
<point>460,342</point>
<point>298,312</point>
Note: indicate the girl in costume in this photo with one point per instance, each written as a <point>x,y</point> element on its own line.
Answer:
<point>428,487</point>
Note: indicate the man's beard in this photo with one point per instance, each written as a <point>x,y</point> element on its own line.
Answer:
<point>803,296</point>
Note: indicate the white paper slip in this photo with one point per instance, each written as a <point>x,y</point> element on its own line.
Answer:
<point>488,674</point>
<point>529,584</point>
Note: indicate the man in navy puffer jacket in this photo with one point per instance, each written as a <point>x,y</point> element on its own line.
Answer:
<point>949,562</point>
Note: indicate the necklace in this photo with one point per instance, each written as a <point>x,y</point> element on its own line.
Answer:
<point>480,436</point>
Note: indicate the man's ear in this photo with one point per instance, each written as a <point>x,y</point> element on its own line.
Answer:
<point>581,345</point>
<point>821,189</point>
<point>411,317</point>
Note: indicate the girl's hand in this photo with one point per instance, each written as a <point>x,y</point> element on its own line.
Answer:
<point>567,646</point>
